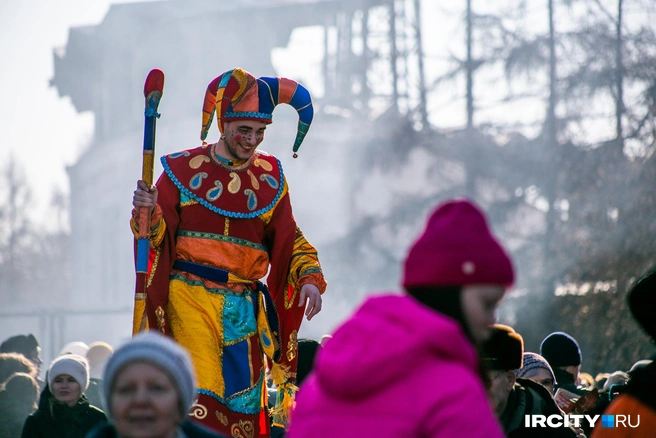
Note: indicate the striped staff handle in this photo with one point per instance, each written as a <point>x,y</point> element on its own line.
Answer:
<point>153,89</point>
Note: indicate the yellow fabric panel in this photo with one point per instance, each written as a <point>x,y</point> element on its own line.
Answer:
<point>266,217</point>
<point>304,262</point>
<point>267,340</point>
<point>246,262</point>
<point>139,316</point>
<point>192,315</point>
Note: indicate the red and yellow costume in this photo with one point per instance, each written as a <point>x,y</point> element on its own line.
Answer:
<point>215,233</point>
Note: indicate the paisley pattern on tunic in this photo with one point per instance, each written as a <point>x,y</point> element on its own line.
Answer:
<point>200,180</point>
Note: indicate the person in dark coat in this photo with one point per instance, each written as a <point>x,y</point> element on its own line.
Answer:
<point>149,389</point>
<point>28,346</point>
<point>18,396</point>
<point>514,398</point>
<point>564,355</point>
<point>638,400</point>
<point>537,369</point>
<point>188,428</point>
<point>64,411</point>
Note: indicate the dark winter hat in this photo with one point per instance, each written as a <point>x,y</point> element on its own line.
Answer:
<point>533,361</point>
<point>164,353</point>
<point>504,349</point>
<point>642,299</point>
<point>23,344</point>
<point>561,350</point>
<point>307,350</point>
<point>457,248</point>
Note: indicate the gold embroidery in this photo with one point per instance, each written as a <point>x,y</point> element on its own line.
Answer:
<point>198,411</point>
<point>235,184</point>
<point>198,161</point>
<point>263,164</point>
<point>154,267</point>
<point>159,312</point>
<point>242,392</point>
<point>292,345</point>
<point>222,418</point>
<point>188,203</point>
<point>243,429</point>
<point>226,227</point>
<point>147,166</point>
<point>254,182</point>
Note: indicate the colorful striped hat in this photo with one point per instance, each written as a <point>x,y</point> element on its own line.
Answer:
<point>238,95</point>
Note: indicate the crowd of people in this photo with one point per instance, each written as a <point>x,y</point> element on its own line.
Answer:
<point>216,352</point>
<point>431,362</point>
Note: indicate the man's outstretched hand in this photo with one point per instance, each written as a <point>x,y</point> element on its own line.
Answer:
<point>311,294</point>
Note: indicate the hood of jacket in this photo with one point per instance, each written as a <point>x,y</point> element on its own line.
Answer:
<point>387,337</point>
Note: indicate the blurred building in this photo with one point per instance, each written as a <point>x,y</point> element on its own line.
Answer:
<point>103,67</point>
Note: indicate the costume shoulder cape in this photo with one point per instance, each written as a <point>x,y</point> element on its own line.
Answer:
<point>244,193</point>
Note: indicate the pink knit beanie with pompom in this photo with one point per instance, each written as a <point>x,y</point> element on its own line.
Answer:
<point>457,248</point>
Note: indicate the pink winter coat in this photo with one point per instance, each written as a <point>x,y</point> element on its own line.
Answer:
<point>395,369</point>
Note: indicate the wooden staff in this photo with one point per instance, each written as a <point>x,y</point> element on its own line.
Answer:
<point>153,89</point>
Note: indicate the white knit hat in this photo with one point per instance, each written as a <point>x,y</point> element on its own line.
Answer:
<point>70,364</point>
<point>160,351</point>
<point>76,347</point>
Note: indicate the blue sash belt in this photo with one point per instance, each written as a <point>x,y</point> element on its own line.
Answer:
<point>221,276</point>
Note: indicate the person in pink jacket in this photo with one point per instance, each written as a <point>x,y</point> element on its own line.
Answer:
<point>406,365</point>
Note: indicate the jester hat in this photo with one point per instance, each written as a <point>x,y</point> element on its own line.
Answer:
<point>238,95</point>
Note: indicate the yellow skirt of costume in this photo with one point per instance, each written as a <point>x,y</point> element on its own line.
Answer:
<point>218,326</point>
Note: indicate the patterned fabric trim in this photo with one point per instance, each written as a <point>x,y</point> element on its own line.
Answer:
<point>249,114</point>
<point>311,270</point>
<point>222,238</point>
<point>245,402</point>
<point>213,290</point>
<point>238,340</point>
<point>218,210</point>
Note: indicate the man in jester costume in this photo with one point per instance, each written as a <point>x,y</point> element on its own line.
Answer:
<point>221,218</point>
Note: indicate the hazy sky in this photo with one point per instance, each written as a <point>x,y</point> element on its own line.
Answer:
<point>42,130</point>
<point>45,134</point>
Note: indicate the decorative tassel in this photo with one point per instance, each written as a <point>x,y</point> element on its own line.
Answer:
<point>284,404</point>
<point>280,374</point>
